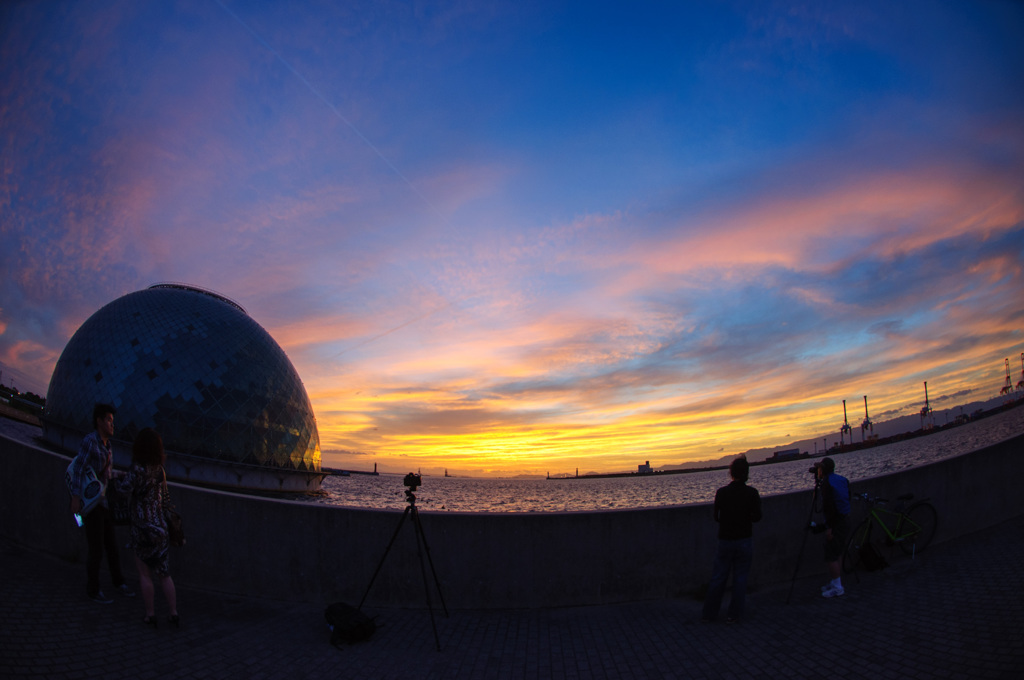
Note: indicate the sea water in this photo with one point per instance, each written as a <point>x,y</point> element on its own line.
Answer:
<point>469,494</point>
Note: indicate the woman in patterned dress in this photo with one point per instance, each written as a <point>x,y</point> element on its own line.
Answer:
<point>145,482</point>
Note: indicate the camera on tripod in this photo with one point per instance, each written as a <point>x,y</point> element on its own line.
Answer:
<point>412,481</point>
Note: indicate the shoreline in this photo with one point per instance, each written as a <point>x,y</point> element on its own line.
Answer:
<point>8,412</point>
<point>838,449</point>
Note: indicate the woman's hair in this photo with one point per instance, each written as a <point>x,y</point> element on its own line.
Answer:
<point>148,449</point>
<point>739,469</point>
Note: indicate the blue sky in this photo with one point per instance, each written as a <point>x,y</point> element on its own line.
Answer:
<point>529,237</point>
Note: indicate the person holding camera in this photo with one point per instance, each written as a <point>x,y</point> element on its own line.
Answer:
<point>737,507</point>
<point>835,505</point>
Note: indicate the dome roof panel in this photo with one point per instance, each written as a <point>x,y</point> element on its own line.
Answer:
<point>194,366</point>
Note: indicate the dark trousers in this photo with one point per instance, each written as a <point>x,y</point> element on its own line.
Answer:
<point>733,557</point>
<point>99,533</point>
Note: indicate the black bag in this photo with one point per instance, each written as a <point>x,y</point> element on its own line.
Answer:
<point>348,624</point>
<point>871,559</point>
<point>175,530</point>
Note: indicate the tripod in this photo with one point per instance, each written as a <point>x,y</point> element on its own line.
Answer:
<point>421,546</point>
<point>807,530</point>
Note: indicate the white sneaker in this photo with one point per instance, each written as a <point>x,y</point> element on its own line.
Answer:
<point>832,591</point>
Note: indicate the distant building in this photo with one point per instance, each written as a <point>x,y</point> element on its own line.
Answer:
<point>787,454</point>
<point>644,469</point>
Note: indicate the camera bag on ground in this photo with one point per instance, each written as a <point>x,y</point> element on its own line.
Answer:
<point>348,624</point>
<point>871,559</point>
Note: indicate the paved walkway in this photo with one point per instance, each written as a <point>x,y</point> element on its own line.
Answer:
<point>955,612</point>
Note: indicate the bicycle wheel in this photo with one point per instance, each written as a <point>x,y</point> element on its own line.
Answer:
<point>858,538</point>
<point>918,524</point>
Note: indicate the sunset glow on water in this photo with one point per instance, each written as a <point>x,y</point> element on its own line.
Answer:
<point>556,495</point>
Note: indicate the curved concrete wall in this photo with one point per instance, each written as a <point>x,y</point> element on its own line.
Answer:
<point>294,550</point>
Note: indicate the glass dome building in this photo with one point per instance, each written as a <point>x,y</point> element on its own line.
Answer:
<point>193,365</point>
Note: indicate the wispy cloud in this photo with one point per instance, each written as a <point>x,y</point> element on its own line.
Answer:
<point>513,238</point>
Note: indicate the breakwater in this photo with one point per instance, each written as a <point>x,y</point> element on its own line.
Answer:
<point>240,544</point>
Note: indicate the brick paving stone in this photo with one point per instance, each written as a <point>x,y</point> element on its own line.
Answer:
<point>954,612</point>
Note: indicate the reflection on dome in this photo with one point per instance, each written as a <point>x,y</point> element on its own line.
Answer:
<point>193,365</point>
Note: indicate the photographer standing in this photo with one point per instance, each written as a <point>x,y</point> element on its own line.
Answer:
<point>737,507</point>
<point>835,505</point>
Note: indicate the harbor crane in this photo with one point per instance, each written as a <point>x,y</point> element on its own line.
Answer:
<point>867,425</point>
<point>926,410</point>
<point>845,429</point>
<point>1008,386</point>
<point>1020,383</point>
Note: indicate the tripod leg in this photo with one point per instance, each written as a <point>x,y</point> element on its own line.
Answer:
<point>803,543</point>
<point>384,556</point>
<point>437,583</point>
<point>420,543</point>
<point>796,569</point>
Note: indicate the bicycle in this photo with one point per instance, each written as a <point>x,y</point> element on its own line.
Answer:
<point>912,529</point>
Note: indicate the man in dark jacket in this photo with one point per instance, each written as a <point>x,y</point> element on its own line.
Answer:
<point>737,507</point>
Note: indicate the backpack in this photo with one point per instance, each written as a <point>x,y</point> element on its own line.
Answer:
<point>840,493</point>
<point>348,624</point>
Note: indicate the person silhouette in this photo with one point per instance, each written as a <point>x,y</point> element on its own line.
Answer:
<point>737,507</point>
<point>96,453</point>
<point>146,484</point>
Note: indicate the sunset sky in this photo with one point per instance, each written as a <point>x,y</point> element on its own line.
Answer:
<point>529,237</point>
